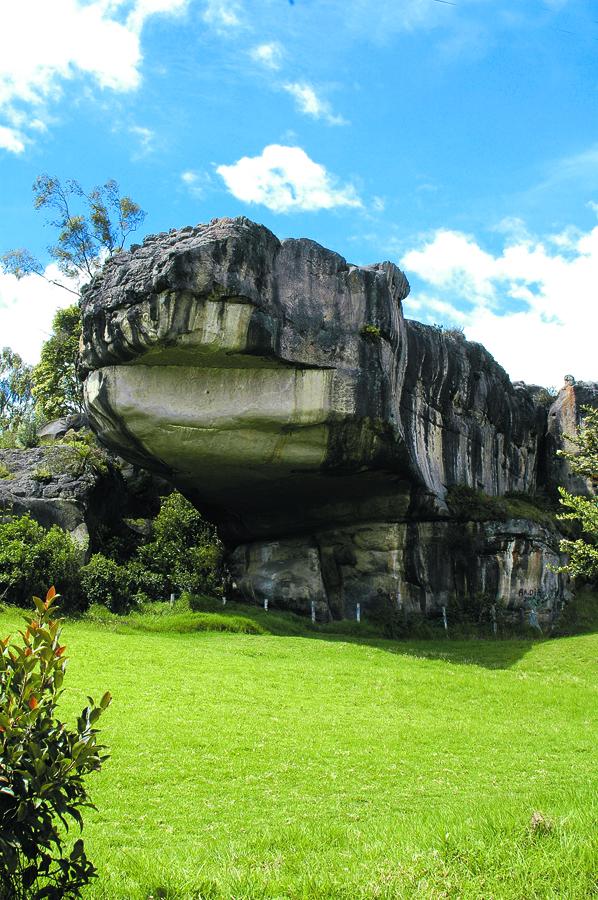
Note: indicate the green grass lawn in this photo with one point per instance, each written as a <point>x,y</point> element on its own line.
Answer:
<point>315,766</point>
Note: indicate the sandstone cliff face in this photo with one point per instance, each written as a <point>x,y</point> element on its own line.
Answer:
<point>564,418</point>
<point>283,391</point>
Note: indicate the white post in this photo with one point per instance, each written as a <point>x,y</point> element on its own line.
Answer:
<point>313,611</point>
<point>224,601</point>
<point>444,618</point>
<point>358,612</point>
<point>266,604</point>
<point>172,599</point>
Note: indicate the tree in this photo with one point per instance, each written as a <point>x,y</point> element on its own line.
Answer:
<point>15,390</point>
<point>583,552</point>
<point>56,387</point>
<point>184,548</point>
<point>91,227</point>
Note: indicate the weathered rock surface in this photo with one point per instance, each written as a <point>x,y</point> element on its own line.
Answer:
<point>564,418</point>
<point>55,487</point>
<point>282,390</point>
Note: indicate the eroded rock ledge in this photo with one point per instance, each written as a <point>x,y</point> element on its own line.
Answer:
<point>283,391</point>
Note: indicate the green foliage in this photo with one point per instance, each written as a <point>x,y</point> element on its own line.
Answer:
<point>91,227</point>
<point>43,474</point>
<point>371,332</point>
<point>76,454</point>
<point>536,507</point>
<point>108,583</point>
<point>43,764</point>
<point>15,391</point>
<point>5,471</point>
<point>468,504</point>
<point>184,549</point>
<point>56,387</point>
<point>30,556</point>
<point>119,587</point>
<point>579,615</point>
<point>583,552</point>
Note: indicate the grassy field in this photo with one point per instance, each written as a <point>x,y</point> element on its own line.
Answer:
<point>321,766</point>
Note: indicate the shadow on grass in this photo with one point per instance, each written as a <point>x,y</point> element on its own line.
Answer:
<point>463,645</point>
<point>207,614</point>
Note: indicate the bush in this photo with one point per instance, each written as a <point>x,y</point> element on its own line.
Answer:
<point>30,556</point>
<point>104,581</point>
<point>184,549</point>
<point>120,588</point>
<point>371,332</point>
<point>42,766</point>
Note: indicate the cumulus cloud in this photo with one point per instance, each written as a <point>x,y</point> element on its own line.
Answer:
<point>285,179</point>
<point>27,307</point>
<point>534,305</point>
<point>43,45</point>
<point>268,55</point>
<point>310,104</point>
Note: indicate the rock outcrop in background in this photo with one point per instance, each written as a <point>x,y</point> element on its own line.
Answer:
<point>283,391</point>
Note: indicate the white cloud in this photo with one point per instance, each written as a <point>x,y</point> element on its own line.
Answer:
<point>197,183</point>
<point>27,307</point>
<point>11,140</point>
<point>145,136</point>
<point>269,55</point>
<point>534,305</point>
<point>43,45</point>
<point>309,103</point>
<point>284,179</point>
<point>223,14</point>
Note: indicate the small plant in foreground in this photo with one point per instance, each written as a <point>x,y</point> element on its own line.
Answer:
<point>42,765</point>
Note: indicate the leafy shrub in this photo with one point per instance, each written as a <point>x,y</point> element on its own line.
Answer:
<point>4,471</point>
<point>30,556</point>
<point>76,454</point>
<point>42,473</point>
<point>105,581</point>
<point>371,332</point>
<point>121,588</point>
<point>42,765</point>
<point>184,549</point>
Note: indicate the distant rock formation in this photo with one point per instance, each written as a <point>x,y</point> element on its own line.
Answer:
<point>282,390</point>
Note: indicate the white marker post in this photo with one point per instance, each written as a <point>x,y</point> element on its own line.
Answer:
<point>313,611</point>
<point>265,604</point>
<point>444,619</point>
<point>224,601</point>
<point>172,599</point>
<point>358,612</point>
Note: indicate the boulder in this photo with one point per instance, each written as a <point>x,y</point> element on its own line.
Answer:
<point>282,390</point>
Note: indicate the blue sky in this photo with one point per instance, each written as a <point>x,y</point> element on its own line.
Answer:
<point>459,140</point>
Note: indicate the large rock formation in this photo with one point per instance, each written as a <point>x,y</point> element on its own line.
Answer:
<point>282,390</point>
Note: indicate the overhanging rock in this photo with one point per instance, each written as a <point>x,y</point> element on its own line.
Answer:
<point>282,390</point>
